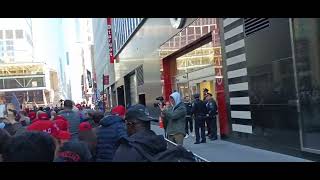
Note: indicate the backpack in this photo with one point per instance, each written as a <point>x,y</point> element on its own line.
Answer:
<point>175,154</point>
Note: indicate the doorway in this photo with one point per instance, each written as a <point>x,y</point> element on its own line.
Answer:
<point>142,99</point>
<point>120,92</point>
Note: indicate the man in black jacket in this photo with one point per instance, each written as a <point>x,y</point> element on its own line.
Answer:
<point>189,120</point>
<point>199,110</point>
<point>141,135</point>
<point>212,112</point>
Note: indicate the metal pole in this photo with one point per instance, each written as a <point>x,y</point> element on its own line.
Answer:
<point>104,106</point>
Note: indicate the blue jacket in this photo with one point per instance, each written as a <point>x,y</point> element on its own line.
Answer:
<point>112,129</point>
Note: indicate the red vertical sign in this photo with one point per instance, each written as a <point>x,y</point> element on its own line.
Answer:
<point>221,101</point>
<point>110,40</point>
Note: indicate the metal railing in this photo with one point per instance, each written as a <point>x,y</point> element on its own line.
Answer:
<point>196,157</point>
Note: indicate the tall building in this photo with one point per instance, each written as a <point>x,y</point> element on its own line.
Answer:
<point>77,67</point>
<point>23,76</point>
<point>49,45</point>
<point>16,42</point>
<point>102,64</point>
<point>86,42</point>
<point>263,72</point>
<point>134,76</point>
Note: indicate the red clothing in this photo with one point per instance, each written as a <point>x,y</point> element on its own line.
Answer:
<point>45,126</point>
<point>62,124</point>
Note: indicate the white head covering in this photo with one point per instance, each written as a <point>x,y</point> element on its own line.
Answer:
<point>176,97</point>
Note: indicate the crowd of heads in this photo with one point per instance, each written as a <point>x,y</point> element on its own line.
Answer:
<point>43,134</point>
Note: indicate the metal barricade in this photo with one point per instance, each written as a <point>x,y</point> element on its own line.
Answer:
<point>196,157</point>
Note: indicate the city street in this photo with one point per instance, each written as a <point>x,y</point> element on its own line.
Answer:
<point>224,151</point>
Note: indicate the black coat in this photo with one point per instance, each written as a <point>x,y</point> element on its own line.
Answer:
<point>148,140</point>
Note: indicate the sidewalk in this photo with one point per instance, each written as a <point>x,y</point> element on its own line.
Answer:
<point>224,151</point>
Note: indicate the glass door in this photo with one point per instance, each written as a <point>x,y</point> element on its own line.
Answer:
<point>183,89</point>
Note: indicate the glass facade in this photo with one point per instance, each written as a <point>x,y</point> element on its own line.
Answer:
<point>307,43</point>
<point>122,29</point>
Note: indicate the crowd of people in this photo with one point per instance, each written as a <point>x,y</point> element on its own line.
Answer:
<point>76,133</point>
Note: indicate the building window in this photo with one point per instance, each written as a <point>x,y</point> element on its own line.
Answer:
<point>9,34</point>
<point>9,43</point>
<point>9,48</point>
<point>19,34</point>
<point>1,35</point>
<point>10,53</point>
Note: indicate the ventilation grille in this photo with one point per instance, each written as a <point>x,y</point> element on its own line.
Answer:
<point>140,78</point>
<point>253,25</point>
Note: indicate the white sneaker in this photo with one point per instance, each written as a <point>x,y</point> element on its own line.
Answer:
<point>192,134</point>
<point>186,136</point>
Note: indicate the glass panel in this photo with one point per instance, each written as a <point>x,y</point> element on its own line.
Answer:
<point>183,89</point>
<point>19,34</point>
<point>307,45</point>
<point>9,34</point>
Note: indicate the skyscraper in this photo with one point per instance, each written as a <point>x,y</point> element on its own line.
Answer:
<point>16,44</point>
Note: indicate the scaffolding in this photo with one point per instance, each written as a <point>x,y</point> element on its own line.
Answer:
<point>27,81</point>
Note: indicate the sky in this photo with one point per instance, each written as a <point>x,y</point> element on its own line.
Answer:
<point>47,43</point>
<point>52,38</point>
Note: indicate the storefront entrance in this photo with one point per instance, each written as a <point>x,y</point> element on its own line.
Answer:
<point>191,62</point>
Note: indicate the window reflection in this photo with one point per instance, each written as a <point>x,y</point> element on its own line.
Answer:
<point>307,45</point>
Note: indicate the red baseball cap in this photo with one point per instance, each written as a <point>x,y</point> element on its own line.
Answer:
<point>85,126</point>
<point>32,115</point>
<point>43,116</point>
<point>119,111</point>
<point>45,126</point>
<point>62,124</point>
<point>63,135</point>
<point>61,118</point>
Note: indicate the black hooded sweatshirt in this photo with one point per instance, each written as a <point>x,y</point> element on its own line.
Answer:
<point>147,140</point>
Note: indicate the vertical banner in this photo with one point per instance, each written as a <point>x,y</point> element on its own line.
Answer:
<point>220,94</point>
<point>110,40</point>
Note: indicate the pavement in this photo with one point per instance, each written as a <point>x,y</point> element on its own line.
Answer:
<point>224,151</point>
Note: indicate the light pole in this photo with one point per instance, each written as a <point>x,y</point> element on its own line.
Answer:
<point>103,102</point>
